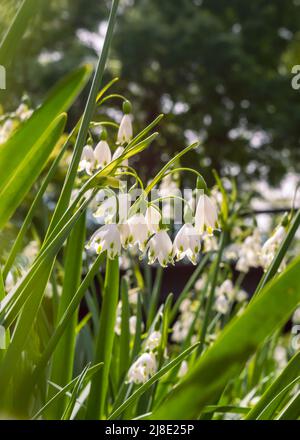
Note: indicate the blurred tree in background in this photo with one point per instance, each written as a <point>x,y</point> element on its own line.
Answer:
<point>219,69</point>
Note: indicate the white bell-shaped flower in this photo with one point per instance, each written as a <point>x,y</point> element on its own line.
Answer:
<point>107,238</point>
<point>206,218</point>
<point>153,218</point>
<point>125,235</point>
<point>187,243</point>
<point>222,304</point>
<point>143,368</point>
<point>160,248</point>
<point>139,230</point>
<point>153,341</point>
<point>102,154</point>
<point>125,131</point>
<point>87,161</point>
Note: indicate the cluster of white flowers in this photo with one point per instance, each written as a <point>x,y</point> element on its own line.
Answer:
<point>252,253</point>
<point>187,315</point>
<point>95,159</point>
<point>226,293</point>
<point>10,124</point>
<point>146,364</point>
<point>145,232</point>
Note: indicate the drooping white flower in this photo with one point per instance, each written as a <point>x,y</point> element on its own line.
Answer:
<point>153,218</point>
<point>187,243</point>
<point>206,217</point>
<point>142,369</point>
<point>87,161</point>
<point>102,154</point>
<point>270,247</point>
<point>125,131</point>
<point>153,341</point>
<point>125,235</point>
<point>107,238</point>
<point>160,248</point>
<point>139,230</point>
<point>183,369</point>
<point>222,304</point>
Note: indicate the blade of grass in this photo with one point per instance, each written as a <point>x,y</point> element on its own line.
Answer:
<point>240,339</point>
<point>63,357</point>
<point>14,34</point>
<point>91,371</point>
<point>290,372</point>
<point>104,342</point>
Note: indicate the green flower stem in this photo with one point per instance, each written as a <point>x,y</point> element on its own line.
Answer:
<point>104,342</point>
<point>210,299</point>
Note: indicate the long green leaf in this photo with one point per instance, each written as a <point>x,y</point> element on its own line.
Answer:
<point>13,36</point>
<point>237,342</point>
<point>28,169</point>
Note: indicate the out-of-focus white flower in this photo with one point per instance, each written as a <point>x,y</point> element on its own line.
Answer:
<point>102,154</point>
<point>210,243</point>
<point>125,131</point>
<point>107,238</point>
<point>153,218</point>
<point>118,325</point>
<point>132,324</point>
<point>139,230</point>
<point>9,282</point>
<point>296,316</point>
<point>206,217</point>
<point>270,247</point>
<point>6,130</point>
<point>153,341</point>
<point>280,356</point>
<point>183,369</point>
<point>241,295</point>
<point>185,305</point>
<point>142,369</point>
<point>226,289</point>
<point>23,112</point>
<point>249,252</point>
<point>187,243</point>
<point>161,248</point>
<point>222,304</point>
<point>200,283</point>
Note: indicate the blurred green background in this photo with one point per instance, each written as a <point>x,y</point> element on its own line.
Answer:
<point>219,69</point>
